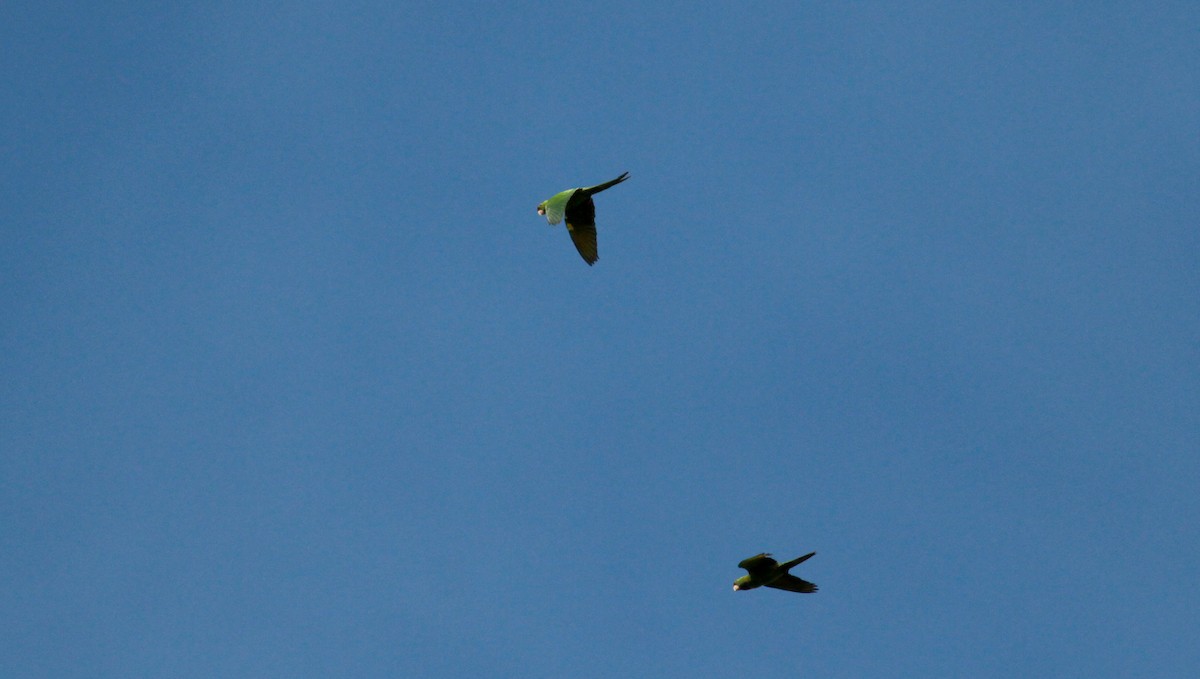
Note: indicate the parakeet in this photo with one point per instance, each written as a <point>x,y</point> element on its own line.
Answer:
<point>577,206</point>
<point>763,570</point>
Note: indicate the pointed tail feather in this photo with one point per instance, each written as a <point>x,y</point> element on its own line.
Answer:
<point>798,560</point>
<point>592,190</point>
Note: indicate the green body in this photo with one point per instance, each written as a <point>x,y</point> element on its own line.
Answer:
<point>763,571</point>
<point>576,206</point>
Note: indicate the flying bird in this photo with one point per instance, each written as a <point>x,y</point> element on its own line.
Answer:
<point>763,570</point>
<point>577,206</point>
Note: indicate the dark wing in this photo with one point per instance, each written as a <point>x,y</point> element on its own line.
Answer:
<point>581,224</point>
<point>759,564</point>
<point>792,583</point>
<point>584,238</point>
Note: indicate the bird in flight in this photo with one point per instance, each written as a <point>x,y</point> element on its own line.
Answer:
<point>577,206</point>
<point>763,570</point>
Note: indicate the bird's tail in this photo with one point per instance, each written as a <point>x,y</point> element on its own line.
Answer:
<point>591,190</point>
<point>798,560</point>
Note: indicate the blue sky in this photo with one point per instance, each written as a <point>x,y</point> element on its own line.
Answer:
<point>295,381</point>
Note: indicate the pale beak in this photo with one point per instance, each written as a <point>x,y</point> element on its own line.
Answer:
<point>736,588</point>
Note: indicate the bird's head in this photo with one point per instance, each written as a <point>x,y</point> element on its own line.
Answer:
<point>743,583</point>
<point>542,208</point>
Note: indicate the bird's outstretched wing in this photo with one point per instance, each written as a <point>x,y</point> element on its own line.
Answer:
<point>556,206</point>
<point>792,583</point>
<point>584,238</point>
<point>760,563</point>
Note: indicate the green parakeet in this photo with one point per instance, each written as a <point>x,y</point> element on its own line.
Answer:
<point>577,206</point>
<point>765,571</point>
